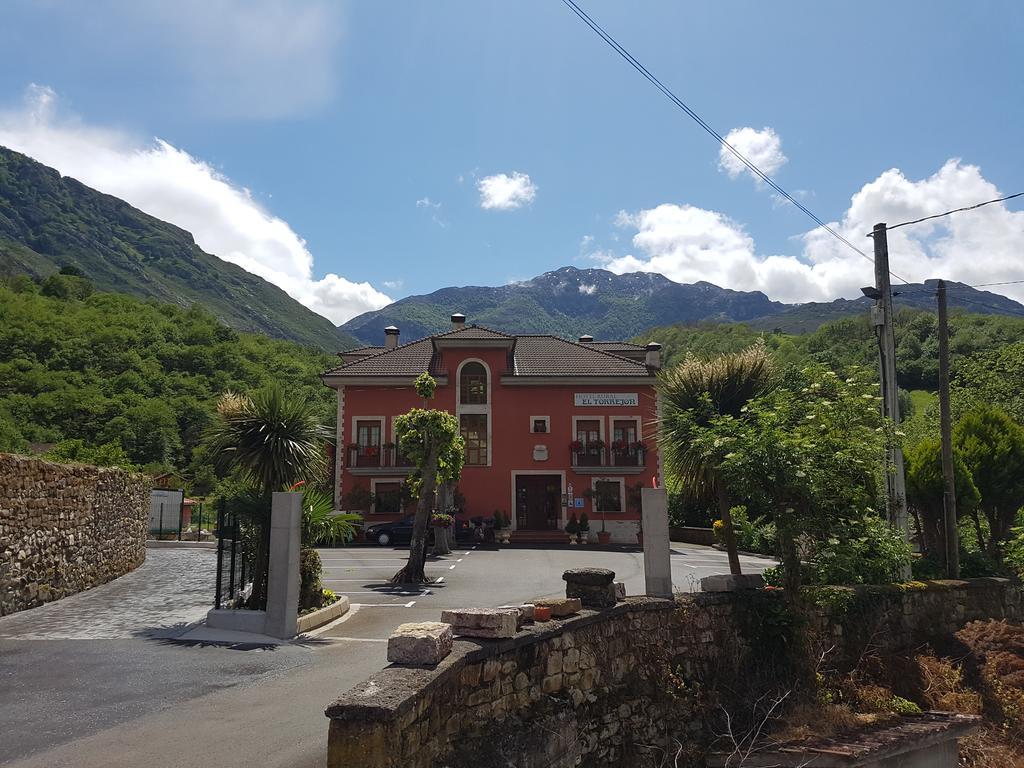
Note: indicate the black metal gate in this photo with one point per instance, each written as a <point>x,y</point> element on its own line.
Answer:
<point>233,569</point>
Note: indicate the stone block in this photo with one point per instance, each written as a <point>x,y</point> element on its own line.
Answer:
<point>422,643</point>
<point>727,582</point>
<point>561,607</point>
<point>590,577</point>
<point>483,622</point>
<point>620,590</point>
<point>592,596</point>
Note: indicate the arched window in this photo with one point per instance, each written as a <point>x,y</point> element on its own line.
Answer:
<point>473,384</point>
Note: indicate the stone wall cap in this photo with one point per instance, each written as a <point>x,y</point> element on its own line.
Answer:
<point>591,577</point>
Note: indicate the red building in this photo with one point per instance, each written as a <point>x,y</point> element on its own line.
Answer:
<point>551,426</point>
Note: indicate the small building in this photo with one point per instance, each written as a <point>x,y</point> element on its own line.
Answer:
<point>552,427</point>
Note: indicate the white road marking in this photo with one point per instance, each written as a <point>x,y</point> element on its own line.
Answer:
<point>361,639</point>
<point>386,605</point>
<point>451,567</point>
<point>439,579</point>
<point>459,560</point>
<point>410,604</point>
<point>385,594</point>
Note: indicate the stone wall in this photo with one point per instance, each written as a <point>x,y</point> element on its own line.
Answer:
<point>600,688</point>
<point>66,528</point>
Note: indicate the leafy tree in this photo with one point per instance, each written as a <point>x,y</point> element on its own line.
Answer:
<point>992,447</point>
<point>273,442</point>
<point>926,494</point>
<point>992,378</point>
<point>695,394</point>
<point>432,441</point>
<point>144,375</point>
<point>811,453</point>
<point>107,455</point>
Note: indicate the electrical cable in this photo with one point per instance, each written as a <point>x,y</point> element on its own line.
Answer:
<point>571,4</point>
<point>955,210</point>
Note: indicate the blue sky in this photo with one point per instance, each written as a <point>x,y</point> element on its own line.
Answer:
<point>367,130</point>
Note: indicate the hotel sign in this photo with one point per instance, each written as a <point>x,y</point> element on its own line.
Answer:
<point>599,399</point>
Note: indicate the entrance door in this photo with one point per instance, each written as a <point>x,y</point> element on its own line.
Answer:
<point>538,502</point>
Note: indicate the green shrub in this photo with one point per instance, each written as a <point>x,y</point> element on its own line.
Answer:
<point>311,590</point>
<point>867,551</point>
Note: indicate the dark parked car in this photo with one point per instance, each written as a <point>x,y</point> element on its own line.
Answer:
<point>400,531</point>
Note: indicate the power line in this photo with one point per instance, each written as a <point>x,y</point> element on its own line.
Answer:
<point>1005,282</point>
<point>571,4</point>
<point>956,210</point>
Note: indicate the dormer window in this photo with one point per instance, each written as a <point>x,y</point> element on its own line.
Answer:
<point>473,384</point>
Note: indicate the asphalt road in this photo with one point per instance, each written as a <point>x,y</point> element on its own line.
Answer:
<point>102,678</point>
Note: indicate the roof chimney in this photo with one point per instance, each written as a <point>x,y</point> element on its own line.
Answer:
<point>458,321</point>
<point>653,359</point>
<point>391,337</point>
<point>586,339</point>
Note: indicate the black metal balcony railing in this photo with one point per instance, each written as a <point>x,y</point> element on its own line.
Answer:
<point>377,456</point>
<point>590,456</point>
<point>627,457</point>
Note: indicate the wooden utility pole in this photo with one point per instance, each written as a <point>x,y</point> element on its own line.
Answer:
<point>946,428</point>
<point>896,481</point>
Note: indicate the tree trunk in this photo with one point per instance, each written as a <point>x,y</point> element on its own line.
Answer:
<point>728,533</point>
<point>413,571</point>
<point>977,529</point>
<point>790,561</point>
<point>258,597</point>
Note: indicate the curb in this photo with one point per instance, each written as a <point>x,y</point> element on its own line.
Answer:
<point>158,544</point>
<point>323,616</point>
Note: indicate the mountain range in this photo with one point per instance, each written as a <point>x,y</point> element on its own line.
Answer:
<point>570,302</point>
<point>48,221</point>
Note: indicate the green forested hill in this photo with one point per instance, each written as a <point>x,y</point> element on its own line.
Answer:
<point>851,341</point>
<point>47,222</point>
<point>136,376</point>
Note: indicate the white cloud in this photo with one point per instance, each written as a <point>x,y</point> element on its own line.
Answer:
<point>393,285</point>
<point>170,184</point>
<point>763,148</point>
<point>504,192</point>
<point>426,202</point>
<point>587,290</point>
<point>688,244</point>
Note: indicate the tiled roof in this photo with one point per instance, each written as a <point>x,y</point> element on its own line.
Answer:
<point>362,351</point>
<point>531,356</point>
<point>613,346</point>
<point>552,356</point>
<point>474,332</point>
<point>410,359</point>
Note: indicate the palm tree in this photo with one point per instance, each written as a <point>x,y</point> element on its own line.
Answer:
<point>272,442</point>
<point>692,394</point>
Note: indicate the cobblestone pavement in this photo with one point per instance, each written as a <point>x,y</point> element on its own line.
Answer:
<point>171,590</point>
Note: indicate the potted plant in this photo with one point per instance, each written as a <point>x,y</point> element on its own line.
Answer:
<point>584,527</point>
<point>502,527</point>
<point>389,453</point>
<point>572,528</point>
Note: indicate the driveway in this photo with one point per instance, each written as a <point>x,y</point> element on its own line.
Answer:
<point>102,679</point>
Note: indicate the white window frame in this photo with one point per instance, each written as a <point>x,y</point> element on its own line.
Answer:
<point>468,408</point>
<point>622,494</point>
<point>374,481</point>
<point>547,424</point>
<point>355,428</point>
<point>601,424</point>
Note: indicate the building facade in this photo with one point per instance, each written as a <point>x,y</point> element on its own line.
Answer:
<point>552,427</point>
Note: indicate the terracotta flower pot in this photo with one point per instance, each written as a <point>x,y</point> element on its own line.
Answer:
<point>603,537</point>
<point>542,613</point>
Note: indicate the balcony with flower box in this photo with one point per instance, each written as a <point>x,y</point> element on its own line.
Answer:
<point>597,458</point>
<point>386,459</point>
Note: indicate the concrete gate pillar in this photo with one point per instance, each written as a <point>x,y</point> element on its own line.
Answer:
<point>657,548</point>
<point>283,571</point>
